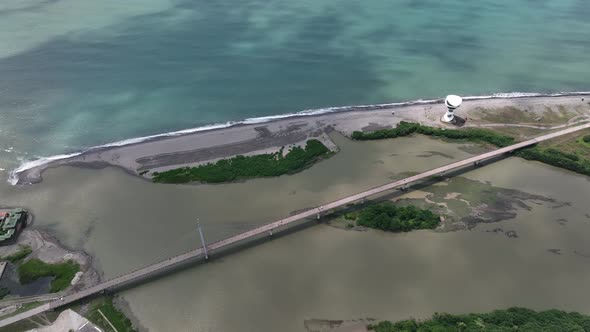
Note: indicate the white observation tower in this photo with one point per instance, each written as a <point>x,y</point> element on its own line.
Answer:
<point>453,102</point>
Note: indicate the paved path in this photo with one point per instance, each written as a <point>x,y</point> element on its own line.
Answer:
<point>27,299</point>
<point>266,229</point>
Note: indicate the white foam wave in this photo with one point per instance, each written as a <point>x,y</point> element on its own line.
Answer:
<point>13,178</point>
<point>14,175</point>
<point>248,121</point>
<point>508,95</point>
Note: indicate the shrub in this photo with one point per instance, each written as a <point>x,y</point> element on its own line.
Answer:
<point>388,217</point>
<point>3,292</point>
<point>242,167</point>
<point>586,138</point>
<point>408,128</point>
<point>513,319</point>
<point>23,252</point>
<point>556,158</point>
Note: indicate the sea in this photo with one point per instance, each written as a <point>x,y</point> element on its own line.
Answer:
<point>77,73</point>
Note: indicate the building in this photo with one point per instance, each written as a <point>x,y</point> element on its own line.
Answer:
<point>11,223</point>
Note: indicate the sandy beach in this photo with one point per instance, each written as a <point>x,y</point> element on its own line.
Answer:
<point>164,153</point>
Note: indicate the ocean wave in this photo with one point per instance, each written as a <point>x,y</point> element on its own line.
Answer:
<point>14,174</point>
<point>13,177</point>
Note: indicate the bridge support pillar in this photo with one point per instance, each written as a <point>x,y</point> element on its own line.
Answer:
<point>203,243</point>
<point>270,233</point>
<point>320,210</point>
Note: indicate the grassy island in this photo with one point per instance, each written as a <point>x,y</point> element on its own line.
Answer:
<point>34,269</point>
<point>389,217</point>
<point>409,128</point>
<point>246,167</point>
<point>510,320</point>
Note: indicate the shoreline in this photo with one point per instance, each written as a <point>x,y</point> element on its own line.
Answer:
<point>48,248</point>
<point>124,307</point>
<point>200,145</point>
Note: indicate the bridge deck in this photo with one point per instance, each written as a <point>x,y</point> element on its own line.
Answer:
<point>197,253</point>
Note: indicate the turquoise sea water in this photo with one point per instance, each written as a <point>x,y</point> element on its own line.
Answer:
<point>78,73</point>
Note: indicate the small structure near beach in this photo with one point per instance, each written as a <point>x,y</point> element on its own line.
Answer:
<point>11,223</point>
<point>453,102</point>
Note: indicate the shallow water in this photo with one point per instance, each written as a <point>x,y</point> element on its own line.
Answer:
<point>321,272</point>
<point>77,73</point>
<point>329,273</point>
<point>99,209</point>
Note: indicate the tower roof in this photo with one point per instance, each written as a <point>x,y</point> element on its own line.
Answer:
<point>453,101</point>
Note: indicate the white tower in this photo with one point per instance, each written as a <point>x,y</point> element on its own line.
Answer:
<point>453,102</point>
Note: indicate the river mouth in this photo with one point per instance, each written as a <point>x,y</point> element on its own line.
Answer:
<point>323,272</point>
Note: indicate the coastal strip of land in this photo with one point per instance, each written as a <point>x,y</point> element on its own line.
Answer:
<point>536,114</point>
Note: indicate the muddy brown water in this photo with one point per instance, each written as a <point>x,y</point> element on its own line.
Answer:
<point>323,272</point>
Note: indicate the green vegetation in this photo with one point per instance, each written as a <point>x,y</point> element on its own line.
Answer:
<point>388,217</point>
<point>409,128</point>
<point>242,167</point>
<point>18,256</point>
<point>554,157</point>
<point>34,269</point>
<point>116,317</point>
<point>574,159</point>
<point>513,319</point>
<point>556,115</point>
<point>3,292</point>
